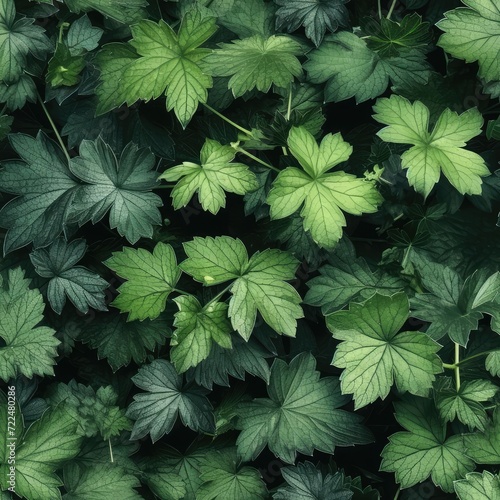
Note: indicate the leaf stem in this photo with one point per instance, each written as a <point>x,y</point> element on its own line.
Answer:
<point>219,295</point>
<point>289,107</point>
<point>391,10</point>
<point>457,367</point>
<point>182,292</point>
<point>254,158</point>
<point>111,458</point>
<point>448,366</point>
<point>53,125</point>
<point>225,118</point>
<point>165,186</point>
<point>379,2</point>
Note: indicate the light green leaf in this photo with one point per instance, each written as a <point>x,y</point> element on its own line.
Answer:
<point>424,450</point>
<point>48,443</point>
<point>156,411</point>
<point>359,72</point>
<point>300,415</point>
<point>45,190</point>
<point>121,186</point>
<point>484,447</point>
<point>259,282</point>
<point>82,36</point>
<point>321,195</point>
<point>257,62</point>
<point>211,178</point>
<point>58,263</point>
<point>375,356</point>
<point>27,349</point>
<point>151,278</point>
<point>64,68</point>
<point>197,328</point>
<point>441,150</point>
<point>223,478</point>
<point>98,482</point>
<point>123,11</point>
<point>476,486</point>
<point>464,403</point>
<point>473,34</point>
<point>493,363</point>
<point>163,62</point>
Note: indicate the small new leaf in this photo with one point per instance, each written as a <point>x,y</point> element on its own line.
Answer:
<point>321,195</point>
<point>156,411</point>
<point>215,175</point>
<point>300,415</point>
<point>64,68</point>
<point>441,150</point>
<point>151,278</point>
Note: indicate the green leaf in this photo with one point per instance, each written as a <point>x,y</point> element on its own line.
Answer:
<point>151,278</point>
<point>45,190</point>
<point>388,37</point>
<point>64,68</point>
<point>121,186</point>
<point>484,447</point>
<point>17,40</point>
<point>15,95</point>
<point>464,403</point>
<point>48,443</point>
<point>453,306</point>
<point>223,478</point>
<point>197,328</point>
<point>123,11</point>
<point>162,481</point>
<point>375,356</point>
<point>436,151</point>
<point>82,36</point>
<point>478,486</point>
<point>257,62</point>
<point>315,16</point>
<point>322,195</point>
<point>301,414</point>
<point>120,341</point>
<point>305,482</point>
<point>250,17</point>
<point>155,412</point>
<point>58,263</point>
<point>358,71</point>
<point>493,363</point>
<point>97,482</point>
<point>27,349</point>
<point>348,278</point>
<point>424,450</point>
<point>259,282</point>
<point>5,124</point>
<point>473,34</point>
<point>163,62</point>
<point>211,178</point>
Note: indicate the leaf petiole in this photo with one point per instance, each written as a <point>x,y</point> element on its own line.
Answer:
<point>225,118</point>
<point>253,157</point>
<point>219,295</point>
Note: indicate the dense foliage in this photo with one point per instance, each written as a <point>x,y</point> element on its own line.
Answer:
<point>250,249</point>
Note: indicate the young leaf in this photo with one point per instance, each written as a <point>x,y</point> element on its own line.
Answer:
<point>301,414</point>
<point>197,328</point>
<point>123,11</point>
<point>305,482</point>
<point>436,151</point>
<point>315,16</point>
<point>424,450</point>
<point>121,341</point>
<point>359,72</point>
<point>46,446</point>
<point>259,282</point>
<point>97,481</point>
<point>45,189</point>
<point>484,447</point>
<point>155,412</point>
<point>211,178</point>
<point>64,68</point>
<point>27,349</point>
<point>375,356</point>
<point>473,34</point>
<point>168,63</point>
<point>121,186</point>
<point>222,477</point>
<point>151,278</point>
<point>464,403</point>
<point>322,195</point>
<point>257,62</point>
<point>58,263</point>
<point>477,486</point>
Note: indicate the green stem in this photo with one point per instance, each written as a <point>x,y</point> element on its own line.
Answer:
<point>53,125</point>
<point>396,496</point>
<point>182,292</point>
<point>391,10</point>
<point>457,367</point>
<point>218,296</point>
<point>465,360</point>
<point>379,2</point>
<point>254,158</point>
<point>448,366</point>
<point>165,186</point>
<point>225,118</point>
<point>289,107</point>
<point>111,458</point>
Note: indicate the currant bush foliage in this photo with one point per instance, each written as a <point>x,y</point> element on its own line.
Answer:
<point>250,247</point>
